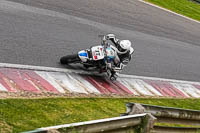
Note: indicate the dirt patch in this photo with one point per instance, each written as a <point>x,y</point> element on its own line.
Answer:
<point>26,94</point>
<point>5,128</point>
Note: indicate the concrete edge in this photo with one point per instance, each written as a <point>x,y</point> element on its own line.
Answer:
<point>62,70</point>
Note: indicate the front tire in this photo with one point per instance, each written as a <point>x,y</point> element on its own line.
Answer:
<point>69,59</point>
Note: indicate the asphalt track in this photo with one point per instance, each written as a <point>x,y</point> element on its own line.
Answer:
<point>166,45</point>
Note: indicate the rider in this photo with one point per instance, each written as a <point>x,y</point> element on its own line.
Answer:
<point>124,52</point>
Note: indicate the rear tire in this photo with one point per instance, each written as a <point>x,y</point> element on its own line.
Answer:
<point>87,66</point>
<point>69,59</point>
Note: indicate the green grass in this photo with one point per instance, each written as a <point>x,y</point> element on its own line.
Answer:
<point>17,115</point>
<point>185,7</point>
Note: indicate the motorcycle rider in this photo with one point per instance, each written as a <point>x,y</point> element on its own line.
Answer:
<point>124,53</point>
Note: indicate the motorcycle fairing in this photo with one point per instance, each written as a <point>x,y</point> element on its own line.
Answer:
<point>83,55</point>
<point>110,53</point>
<point>97,52</point>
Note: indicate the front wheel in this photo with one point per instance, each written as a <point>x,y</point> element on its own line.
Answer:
<point>69,59</point>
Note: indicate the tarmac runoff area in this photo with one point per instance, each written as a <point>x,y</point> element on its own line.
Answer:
<point>32,81</point>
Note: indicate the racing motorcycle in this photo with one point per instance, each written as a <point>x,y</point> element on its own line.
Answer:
<point>100,57</point>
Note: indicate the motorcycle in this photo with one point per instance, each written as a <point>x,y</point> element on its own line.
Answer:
<point>100,57</point>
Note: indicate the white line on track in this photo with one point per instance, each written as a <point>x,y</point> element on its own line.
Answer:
<point>42,68</point>
<point>161,79</point>
<point>169,11</point>
<point>51,69</point>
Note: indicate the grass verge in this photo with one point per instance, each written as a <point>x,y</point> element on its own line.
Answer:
<point>185,7</point>
<point>17,115</point>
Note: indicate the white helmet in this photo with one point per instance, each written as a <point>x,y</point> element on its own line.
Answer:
<point>124,46</point>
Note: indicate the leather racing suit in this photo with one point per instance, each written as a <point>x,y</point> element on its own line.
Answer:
<point>122,58</point>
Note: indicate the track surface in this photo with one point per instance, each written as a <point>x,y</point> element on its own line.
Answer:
<point>166,45</point>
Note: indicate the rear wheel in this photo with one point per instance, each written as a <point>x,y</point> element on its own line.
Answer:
<point>69,59</point>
